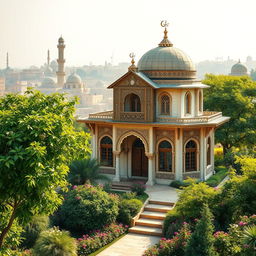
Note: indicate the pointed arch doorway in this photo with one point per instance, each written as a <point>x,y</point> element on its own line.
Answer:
<point>139,159</point>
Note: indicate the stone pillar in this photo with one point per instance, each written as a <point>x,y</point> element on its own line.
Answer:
<point>94,146</point>
<point>150,181</point>
<point>150,156</point>
<point>117,158</point>
<point>202,159</point>
<point>179,159</point>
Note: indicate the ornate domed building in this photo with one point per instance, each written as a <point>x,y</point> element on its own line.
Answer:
<point>239,69</point>
<point>158,130</point>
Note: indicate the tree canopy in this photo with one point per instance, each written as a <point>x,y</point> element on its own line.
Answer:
<point>37,143</point>
<point>234,97</point>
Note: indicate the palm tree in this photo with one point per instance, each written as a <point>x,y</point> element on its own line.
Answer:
<point>249,237</point>
<point>82,171</point>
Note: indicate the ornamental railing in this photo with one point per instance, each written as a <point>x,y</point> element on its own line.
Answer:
<point>206,117</point>
<point>102,115</point>
<point>128,116</point>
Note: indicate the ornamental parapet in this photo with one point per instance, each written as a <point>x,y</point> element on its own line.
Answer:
<point>207,116</point>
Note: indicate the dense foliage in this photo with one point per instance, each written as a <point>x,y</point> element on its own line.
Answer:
<point>128,208</point>
<point>37,143</point>
<point>201,241</point>
<point>234,96</point>
<point>33,229</point>
<point>55,243</point>
<point>96,240</point>
<point>87,208</point>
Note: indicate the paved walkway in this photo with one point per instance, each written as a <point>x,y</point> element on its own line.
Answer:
<point>136,244</point>
<point>130,245</point>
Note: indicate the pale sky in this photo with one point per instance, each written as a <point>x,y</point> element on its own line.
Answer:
<point>97,29</point>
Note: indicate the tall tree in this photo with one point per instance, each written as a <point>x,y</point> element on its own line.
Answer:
<point>37,143</point>
<point>201,241</point>
<point>235,97</point>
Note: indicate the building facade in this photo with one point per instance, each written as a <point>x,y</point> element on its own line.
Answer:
<point>158,130</point>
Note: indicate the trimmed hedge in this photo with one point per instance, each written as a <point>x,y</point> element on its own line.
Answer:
<point>215,180</point>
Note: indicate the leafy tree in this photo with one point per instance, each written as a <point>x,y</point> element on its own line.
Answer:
<point>201,241</point>
<point>82,171</point>
<point>37,143</point>
<point>55,243</point>
<point>235,97</point>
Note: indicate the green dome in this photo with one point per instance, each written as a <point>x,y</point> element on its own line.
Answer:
<point>165,58</point>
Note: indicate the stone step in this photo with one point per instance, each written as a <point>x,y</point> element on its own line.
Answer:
<point>161,202</point>
<point>153,215</point>
<point>157,208</point>
<point>149,223</point>
<point>146,230</point>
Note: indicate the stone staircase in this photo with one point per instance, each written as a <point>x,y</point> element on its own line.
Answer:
<point>150,221</point>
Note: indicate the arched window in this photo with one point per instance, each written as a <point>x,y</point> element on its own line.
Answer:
<point>191,156</point>
<point>165,156</point>
<point>106,153</point>
<point>165,105</point>
<point>132,103</point>
<point>200,102</point>
<point>188,103</point>
<point>208,151</point>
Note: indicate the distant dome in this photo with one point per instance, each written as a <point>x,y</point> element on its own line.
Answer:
<point>48,70</point>
<point>48,82</point>
<point>74,79</point>
<point>239,69</point>
<point>54,64</point>
<point>167,61</point>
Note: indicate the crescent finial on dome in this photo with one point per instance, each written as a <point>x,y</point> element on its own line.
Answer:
<point>165,42</point>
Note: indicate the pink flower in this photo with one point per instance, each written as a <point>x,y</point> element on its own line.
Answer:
<point>241,223</point>
<point>78,197</point>
<point>75,187</point>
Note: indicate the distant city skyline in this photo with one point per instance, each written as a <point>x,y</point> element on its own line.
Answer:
<point>98,31</point>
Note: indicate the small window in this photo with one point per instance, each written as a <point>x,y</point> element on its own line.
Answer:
<point>209,151</point>
<point>188,103</point>
<point>106,153</point>
<point>132,103</point>
<point>165,156</point>
<point>165,105</point>
<point>191,156</point>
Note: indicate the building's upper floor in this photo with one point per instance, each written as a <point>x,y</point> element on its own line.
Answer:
<point>162,88</point>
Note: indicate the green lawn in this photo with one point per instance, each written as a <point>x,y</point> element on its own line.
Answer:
<point>215,180</point>
<point>142,197</point>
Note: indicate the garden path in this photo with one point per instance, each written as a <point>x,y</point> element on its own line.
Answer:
<point>136,244</point>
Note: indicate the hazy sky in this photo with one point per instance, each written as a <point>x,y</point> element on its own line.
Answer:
<point>95,30</point>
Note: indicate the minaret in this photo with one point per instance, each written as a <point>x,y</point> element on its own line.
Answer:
<point>7,61</point>
<point>60,73</point>
<point>48,58</point>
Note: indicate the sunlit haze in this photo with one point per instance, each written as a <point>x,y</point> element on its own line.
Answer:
<point>96,31</point>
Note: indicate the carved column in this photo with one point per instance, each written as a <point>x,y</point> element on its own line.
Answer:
<point>179,154</point>
<point>117,158</point>
<point>202,158</point>
<point>150,181</point>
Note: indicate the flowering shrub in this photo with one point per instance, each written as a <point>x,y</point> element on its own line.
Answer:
<point>175,246</point>
<point>222,243</point>
<point>88,207</point>
<point>139,188</point>
<point>97,239</point>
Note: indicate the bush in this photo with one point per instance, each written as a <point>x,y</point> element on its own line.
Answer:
<point>139,188</point>
<point>192,199</point>
<point>201,242</point>
<point>175,246</point>
<point>91,243</point>
<point>33,230</point>
<point>129,195</point>
<point>55,243</point>
<point>172,223</point>
<point>86,208</point>
<point>178,184</point>
<point>128,209</point>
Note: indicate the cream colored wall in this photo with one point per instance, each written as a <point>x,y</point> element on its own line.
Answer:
<point>178,102</point>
